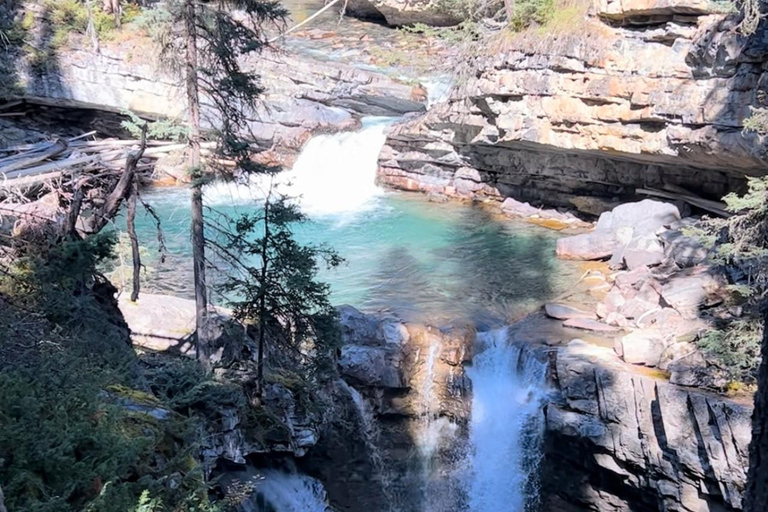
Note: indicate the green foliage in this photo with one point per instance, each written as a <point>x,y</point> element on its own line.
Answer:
<point>531,12</point>
<point>74,434</point>
<point>740,245</point>
<point>736,346</point>
<point>71,16</point>
<point>163,129</point>
<point>273,281</point>
<point>757,121</point>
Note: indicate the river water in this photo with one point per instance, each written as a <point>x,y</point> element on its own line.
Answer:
<point>424,261</point>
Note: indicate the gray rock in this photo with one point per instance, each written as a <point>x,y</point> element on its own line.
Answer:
<point>644,217</point>
<point>371,366</point>
<point>692,369</point>
<point>588,246</point>
<point>643,251</point>
<point>566,312</point>
<point>357,328</point>
<point>691,289</point>
<point>587,324</point>
<point>644,347</point>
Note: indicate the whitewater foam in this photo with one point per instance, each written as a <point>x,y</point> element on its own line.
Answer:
<point>333,175</point>
<point>505,427</point>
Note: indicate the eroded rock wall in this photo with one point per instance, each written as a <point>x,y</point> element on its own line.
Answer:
<point>302,96</point>
<point>621,440</point>
<point>644,94</point>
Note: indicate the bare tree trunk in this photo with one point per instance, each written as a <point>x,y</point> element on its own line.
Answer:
<point>509,8</point>
<point>756,494</point>
<point>136,256</point>
<point>70,228</point>
<point>91,30</point>
<point>121,190</point>
<point>198,231</point>
<point>263,297</point>
<point>113,7</point>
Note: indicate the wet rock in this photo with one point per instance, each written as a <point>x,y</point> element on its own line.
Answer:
<point>371,366</point>
<point>692,369</point>
<point>566,312</point>
<point>664,443</point>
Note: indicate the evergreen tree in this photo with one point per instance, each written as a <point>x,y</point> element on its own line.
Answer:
<point>208,41</point>
<point>273,282</point>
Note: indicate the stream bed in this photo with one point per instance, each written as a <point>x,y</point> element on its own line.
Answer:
<point>423,261</point>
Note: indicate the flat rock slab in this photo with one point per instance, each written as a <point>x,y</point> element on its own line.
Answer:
<point>587,324</point>
<point>566,312</point>
<point>160,322</point>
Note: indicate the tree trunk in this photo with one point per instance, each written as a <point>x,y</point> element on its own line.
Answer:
<point>263,298</point>
<point>136,255</point>
<point>198,231</point>
<point>2,504</point>
<point>756,495</point>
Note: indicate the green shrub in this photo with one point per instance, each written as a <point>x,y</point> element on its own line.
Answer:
<point>531,12</point>
<point>736,346</point>
<point>740,245</point>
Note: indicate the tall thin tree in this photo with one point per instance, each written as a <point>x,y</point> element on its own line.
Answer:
<point>209,43</point>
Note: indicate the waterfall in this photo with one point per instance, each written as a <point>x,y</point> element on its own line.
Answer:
<point>276,491</point>
<point>505,428</point>
<point>333,175</point>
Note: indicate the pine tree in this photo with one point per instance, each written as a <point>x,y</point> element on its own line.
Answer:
<point>272,281</point>
<point>207,42</point>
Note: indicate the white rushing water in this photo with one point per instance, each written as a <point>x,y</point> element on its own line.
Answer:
<point>506,426</point>
<point>333,175</point>
<point>285,492</point>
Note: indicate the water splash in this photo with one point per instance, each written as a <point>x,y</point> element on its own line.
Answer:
<point>506,426</point>
<point>284,492</point>
<point>333,175</point>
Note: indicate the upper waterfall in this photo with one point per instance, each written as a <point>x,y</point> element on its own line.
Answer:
<point>333,175</point>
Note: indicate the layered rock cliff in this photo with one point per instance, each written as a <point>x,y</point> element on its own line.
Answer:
<point>620,438</point>
<point>642,94</point>
<point>303,96</point>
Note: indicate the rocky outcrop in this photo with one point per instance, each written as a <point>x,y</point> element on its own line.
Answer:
<point>617,440</point>
<point>302,96</point>
<point>412,387</point>
<point>645,95</point>
<point>406,12</point>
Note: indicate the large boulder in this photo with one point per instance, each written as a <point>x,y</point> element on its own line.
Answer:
<point>626,232</point>
<point>371,366</point>
<point>693,288</point>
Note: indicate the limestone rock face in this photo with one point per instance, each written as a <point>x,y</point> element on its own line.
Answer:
<point>302,96</point>
<point>617,440</point>
<point>409,380</point>
<point>602,112</point>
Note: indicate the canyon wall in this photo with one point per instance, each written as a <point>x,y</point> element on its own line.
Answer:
<point>302,96</point>
<point>639,94</point>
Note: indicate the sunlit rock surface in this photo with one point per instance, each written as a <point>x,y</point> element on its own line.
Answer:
<point>657,102</point>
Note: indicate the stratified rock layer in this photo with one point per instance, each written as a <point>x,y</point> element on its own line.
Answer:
<point>302,96</point>
<point>601,112</point>
<point>618,440</point>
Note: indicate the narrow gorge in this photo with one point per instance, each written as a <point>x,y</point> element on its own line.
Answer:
<point>523,320</point>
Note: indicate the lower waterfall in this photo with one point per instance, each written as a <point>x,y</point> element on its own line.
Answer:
<point>506,427</point>
<point>277,491</point>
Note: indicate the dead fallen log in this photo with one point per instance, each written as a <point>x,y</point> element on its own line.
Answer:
<point>57,148</point>
<point>710,206</point>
